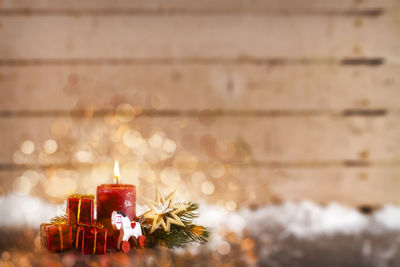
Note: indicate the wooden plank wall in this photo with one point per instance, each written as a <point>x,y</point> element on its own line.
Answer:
<point>305,93</point>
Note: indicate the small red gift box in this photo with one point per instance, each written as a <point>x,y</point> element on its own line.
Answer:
<point>78,233</point>
<point>94,240</point>
<point>56,237</point>
<point>80,209</point>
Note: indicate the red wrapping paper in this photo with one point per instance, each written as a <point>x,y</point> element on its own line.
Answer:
<point>79,237</point>
<point>78,234</point>
<point>94,240</point>
<point>111,198</point>
<point>56,237</point>
<point>80,209</point>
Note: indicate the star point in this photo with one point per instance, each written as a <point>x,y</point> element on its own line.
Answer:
<point>163,211</point>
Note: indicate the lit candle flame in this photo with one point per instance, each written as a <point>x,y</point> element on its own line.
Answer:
<point>117,176</point>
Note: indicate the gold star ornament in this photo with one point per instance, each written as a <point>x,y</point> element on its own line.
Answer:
<point>163,211</point>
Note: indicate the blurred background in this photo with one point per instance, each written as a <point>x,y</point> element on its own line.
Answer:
<point>280,117</point>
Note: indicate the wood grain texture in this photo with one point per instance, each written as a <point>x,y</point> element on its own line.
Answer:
<point>354,187</point>
<point>197,37</point>
<point>199,87</point>
<point>241,5</point>
<point>358,186</point>
<point>179,59</point>
<point>241,140</point>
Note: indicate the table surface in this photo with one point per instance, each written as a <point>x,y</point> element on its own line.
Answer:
<point>22,248</point>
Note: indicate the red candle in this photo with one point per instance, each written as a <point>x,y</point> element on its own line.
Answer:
<point>115,197</point>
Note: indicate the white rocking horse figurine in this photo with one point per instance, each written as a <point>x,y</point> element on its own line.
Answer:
<point>126,229</point>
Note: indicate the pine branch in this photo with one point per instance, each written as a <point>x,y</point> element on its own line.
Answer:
<point>179,236</point>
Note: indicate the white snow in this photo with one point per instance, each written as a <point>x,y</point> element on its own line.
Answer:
<point>16,210</point>
<point>307,219</point>
<point>304,219</point>
<point>388,217</point>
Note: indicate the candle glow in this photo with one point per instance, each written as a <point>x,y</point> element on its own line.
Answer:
<point>117,176</point>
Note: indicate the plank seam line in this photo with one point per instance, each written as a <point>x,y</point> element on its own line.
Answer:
<point>347,61</point>
<point>244,165</point>
<point>137,112</point>
<point>359,12</point>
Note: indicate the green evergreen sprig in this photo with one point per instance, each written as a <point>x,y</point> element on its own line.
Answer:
<point>178,236</point>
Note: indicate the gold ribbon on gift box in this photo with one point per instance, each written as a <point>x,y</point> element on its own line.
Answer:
<point>81,196</point>
<point>95,238</point>
<point>95,225</point>
<point>61,237</point>
<point>55,221</point>
<point>95,241</point>
<point>42,226</point>
<point>77,237</point>
<point>79,204</point>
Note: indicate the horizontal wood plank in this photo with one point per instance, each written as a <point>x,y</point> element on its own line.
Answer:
<point>229,139</point>
<point>195,5</point>
<point>204,37</point>
<point>355,187</point>
<point>199,87</point>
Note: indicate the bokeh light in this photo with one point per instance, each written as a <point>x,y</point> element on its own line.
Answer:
<point>125,112</point>
<point>169,146</point>
<point>50,146</point>
<point>27,147</point>
<point>207,188</point>
<point>22,185</point>
<point>223,248</point>
<point>133,139</point>
<point>230,205</point>
<point>156,140</point>
<point>33,176</point>
<point>5,255</point>
<point>217,169</point>
<point>84,156</point>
